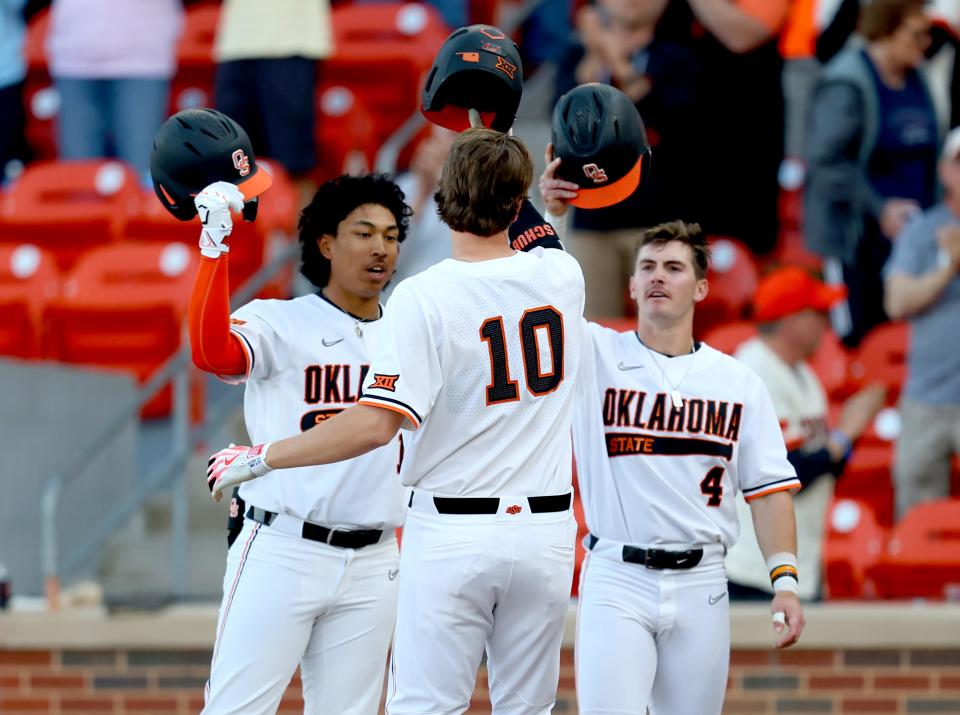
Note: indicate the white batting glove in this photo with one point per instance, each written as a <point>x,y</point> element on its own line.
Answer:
<point>214,204</point>
<point>235,465</point>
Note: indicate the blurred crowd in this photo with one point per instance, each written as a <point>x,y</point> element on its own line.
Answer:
<point>844,106</point>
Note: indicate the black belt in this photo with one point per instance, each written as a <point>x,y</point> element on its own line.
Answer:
<point>491,505</point>
<point>314,532</point>
<point>656,558</point>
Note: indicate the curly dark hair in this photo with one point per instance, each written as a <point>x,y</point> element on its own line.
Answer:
<point>332,203</point>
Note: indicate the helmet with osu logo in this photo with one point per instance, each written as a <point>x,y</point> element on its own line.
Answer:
<point>197,147</point>
<point>477,67</point>
<point>598,135</point>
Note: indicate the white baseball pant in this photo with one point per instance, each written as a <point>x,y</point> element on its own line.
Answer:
<point>470,583</point>
<point>289,601</point>
<point>651,637</point>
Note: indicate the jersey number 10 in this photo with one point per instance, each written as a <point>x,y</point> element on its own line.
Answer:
<point>534,325</point>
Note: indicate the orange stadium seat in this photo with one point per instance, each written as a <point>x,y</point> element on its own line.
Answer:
<point>40,99</point>
<point>853,543</point>
<point>923,555</point>
<point>831,363</point>
<point>727,338</point>
<point>29,279</point>
<point>346,133</point>
<point>383,51</point>
<point>882,357</point>
<point>123,307</point>
<point>733,281</point>
<point>192,85</point>
<point>867,478</point>
<point>69,207</point>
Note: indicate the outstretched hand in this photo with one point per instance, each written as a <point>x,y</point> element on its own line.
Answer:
<point>556,193</point>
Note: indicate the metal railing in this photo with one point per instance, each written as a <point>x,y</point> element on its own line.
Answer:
<point>57,562</point>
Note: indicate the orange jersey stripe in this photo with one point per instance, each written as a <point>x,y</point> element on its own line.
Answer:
<point>779,488</point>
<point>399,410</point>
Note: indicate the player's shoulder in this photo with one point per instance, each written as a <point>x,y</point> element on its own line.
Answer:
<point>556,257</point>
<point>276,311</point>
<point>727,368</point>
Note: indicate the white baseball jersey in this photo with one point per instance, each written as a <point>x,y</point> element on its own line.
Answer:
<point>481,359</point>
<point>307,359</point>
<point>653,473</point>
<point>801,406</point>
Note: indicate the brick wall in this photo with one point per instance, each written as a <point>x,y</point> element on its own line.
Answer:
<point>118,682</point>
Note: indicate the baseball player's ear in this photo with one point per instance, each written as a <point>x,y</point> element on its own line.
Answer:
<point>633,288</point>
<point>323,243</point>
<point>701,290</point>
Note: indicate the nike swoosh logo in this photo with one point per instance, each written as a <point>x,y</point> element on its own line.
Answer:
<point>624,366</point>
<point>392,575</point>
<point>714,600</point>
<point>228,462</point>
<point>331,343</point>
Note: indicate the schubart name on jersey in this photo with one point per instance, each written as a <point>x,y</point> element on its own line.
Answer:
<point>332,385</point>
<point>632,408</point>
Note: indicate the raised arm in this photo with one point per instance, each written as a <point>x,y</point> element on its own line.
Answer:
<point>213,347</point>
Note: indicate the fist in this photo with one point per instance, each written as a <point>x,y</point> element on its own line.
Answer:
<point>235,465</point>
<point>214,204</point>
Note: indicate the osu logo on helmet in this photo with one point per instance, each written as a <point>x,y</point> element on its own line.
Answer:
<point>240,162</point>
<point>594,172</point>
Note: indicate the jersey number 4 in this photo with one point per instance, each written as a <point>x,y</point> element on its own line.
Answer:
<point>712,486</point>
<point>535,325</point>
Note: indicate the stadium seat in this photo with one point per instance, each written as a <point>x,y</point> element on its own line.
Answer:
<point>346,133</point>
<point>733,281</point>
<point>727,338</point>
<point>853,543</point>
<point>882,357</point>
<point>867,478</point>
<point>29,279</point>
<point>831,363</point>
<point>40,100</point>
<point>69,207</point>
<point>123,307</point>
<point>383,51</point>
<point>192,85</point>
<point>922,558</point>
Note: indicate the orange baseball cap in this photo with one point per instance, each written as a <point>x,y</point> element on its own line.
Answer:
<point>791,289</point>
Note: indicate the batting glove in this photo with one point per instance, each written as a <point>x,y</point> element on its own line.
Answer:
<point>214,204</point>
<point>235,465</point>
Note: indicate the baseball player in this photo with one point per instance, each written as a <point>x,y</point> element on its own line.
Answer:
<point>311,579</point>
<point>478,365</point>
<point>666,431</point>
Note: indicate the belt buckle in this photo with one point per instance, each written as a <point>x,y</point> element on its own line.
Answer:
<point>648,555</point>
<point>330,536</point>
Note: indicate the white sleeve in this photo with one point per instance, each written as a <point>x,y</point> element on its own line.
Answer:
<point>763,467</point>
<point>259,338</point>
<point>405,375</point>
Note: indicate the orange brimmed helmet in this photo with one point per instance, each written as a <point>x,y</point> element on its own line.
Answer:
<point>477,67</point>
<point>197,147</point>
<point>599,137</point>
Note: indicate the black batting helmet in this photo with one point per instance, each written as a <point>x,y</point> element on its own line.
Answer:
<point>197,147</point>
<point>599,136</point>
<point>477,67</point>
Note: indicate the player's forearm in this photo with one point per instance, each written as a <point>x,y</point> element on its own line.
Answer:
<point>907,295</point>
<point>355,431</point>
<point>213,347</point>
<point>738,31</point>
<point>775,523</point>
